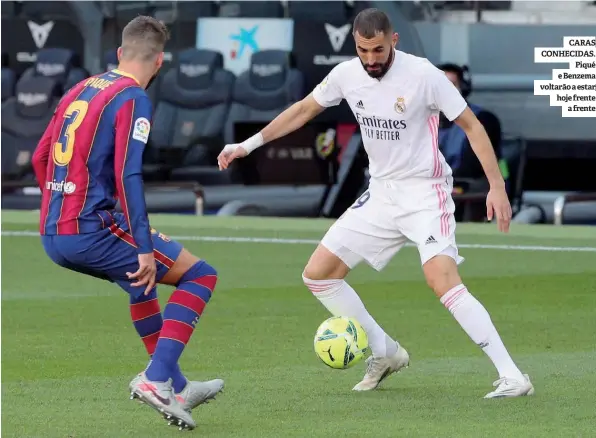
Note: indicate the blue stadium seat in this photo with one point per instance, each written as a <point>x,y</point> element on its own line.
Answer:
<point>24,120</point>
<point>191,109</point>
<point>323,11</point>
<point>62,65</point>
<point>251,9</point>
<point>169,12</point>
<point>46,10</point>
<point>127,10</point>
<point>8,83</point>
<point>356,7</point>
<point>261,93</point>
<point>110,59</point>
<point>190,11</point>
<point>8,9</point>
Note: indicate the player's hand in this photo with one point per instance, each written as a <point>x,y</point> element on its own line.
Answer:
<point>498,202</point>
<point>229,153</point>
<point>146,272</point>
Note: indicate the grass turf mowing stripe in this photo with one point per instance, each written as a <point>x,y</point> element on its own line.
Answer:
<point>314,242</point>
<point>318,225</point>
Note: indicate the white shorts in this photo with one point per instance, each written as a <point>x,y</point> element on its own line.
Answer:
<point>390,214</point>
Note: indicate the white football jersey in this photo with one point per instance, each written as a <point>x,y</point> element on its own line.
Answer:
<point>398,114</point>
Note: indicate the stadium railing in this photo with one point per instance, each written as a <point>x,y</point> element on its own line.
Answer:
<point>562,201</point>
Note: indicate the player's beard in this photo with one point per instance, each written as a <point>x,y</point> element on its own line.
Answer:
<point>383,68</point>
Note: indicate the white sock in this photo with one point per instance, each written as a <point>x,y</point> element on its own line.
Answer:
<point>341,300</point>
<point>475,320</point>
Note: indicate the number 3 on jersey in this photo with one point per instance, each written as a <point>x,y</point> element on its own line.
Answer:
<point>73,117</point>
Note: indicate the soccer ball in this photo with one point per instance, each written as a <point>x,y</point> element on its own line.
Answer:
<point>341,342</point>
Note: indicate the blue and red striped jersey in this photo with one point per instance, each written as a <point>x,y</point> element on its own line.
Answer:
<point>90,156</point>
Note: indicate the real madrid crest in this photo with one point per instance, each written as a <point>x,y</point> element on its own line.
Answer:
<point>400,105</point>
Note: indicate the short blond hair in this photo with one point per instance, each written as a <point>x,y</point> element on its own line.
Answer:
<point>143,38</point>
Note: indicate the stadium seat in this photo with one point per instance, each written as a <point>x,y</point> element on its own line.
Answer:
<point>8,83</point>
<point>168,12</point>
<point>8,9</point>
<point>46,10</point>
<point>191,110</point>
<point>63,65</point>
<point>261,93</point>
<point>244,9</point>
<point>354,8</point>
<point>110,59</point>
<point>190,11</point>
<point>127,10</point>
<point>24,120</point>
<point>324,11</point>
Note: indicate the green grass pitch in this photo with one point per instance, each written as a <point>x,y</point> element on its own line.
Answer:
<point>69,349</point>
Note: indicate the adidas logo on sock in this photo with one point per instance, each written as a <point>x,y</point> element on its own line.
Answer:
<point>360,105</point>
<point>431,239</point>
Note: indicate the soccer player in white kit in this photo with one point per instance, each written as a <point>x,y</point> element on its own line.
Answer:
<point>396,98</point>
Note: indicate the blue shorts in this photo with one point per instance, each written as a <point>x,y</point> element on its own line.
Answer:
<point>110,253</point>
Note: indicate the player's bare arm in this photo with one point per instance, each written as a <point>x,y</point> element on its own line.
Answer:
<point>497,200</point>
<point>288,121</point>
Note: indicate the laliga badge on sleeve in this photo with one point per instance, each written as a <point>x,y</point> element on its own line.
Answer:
<point>141,130</point>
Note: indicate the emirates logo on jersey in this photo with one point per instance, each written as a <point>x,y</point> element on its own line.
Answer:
<point>377,128</point>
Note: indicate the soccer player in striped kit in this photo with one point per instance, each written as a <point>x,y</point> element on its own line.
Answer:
<point>89,157</point>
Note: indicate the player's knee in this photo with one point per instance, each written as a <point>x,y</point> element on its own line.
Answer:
<point>198,281</point>
<point>441,274</point>
<point>311,273</point>
<point>321,288</point>
<point>199,270</point>
<point>208,269</point>
<point>324,265</point>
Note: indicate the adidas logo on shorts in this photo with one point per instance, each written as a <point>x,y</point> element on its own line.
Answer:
<point>431,239</point>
